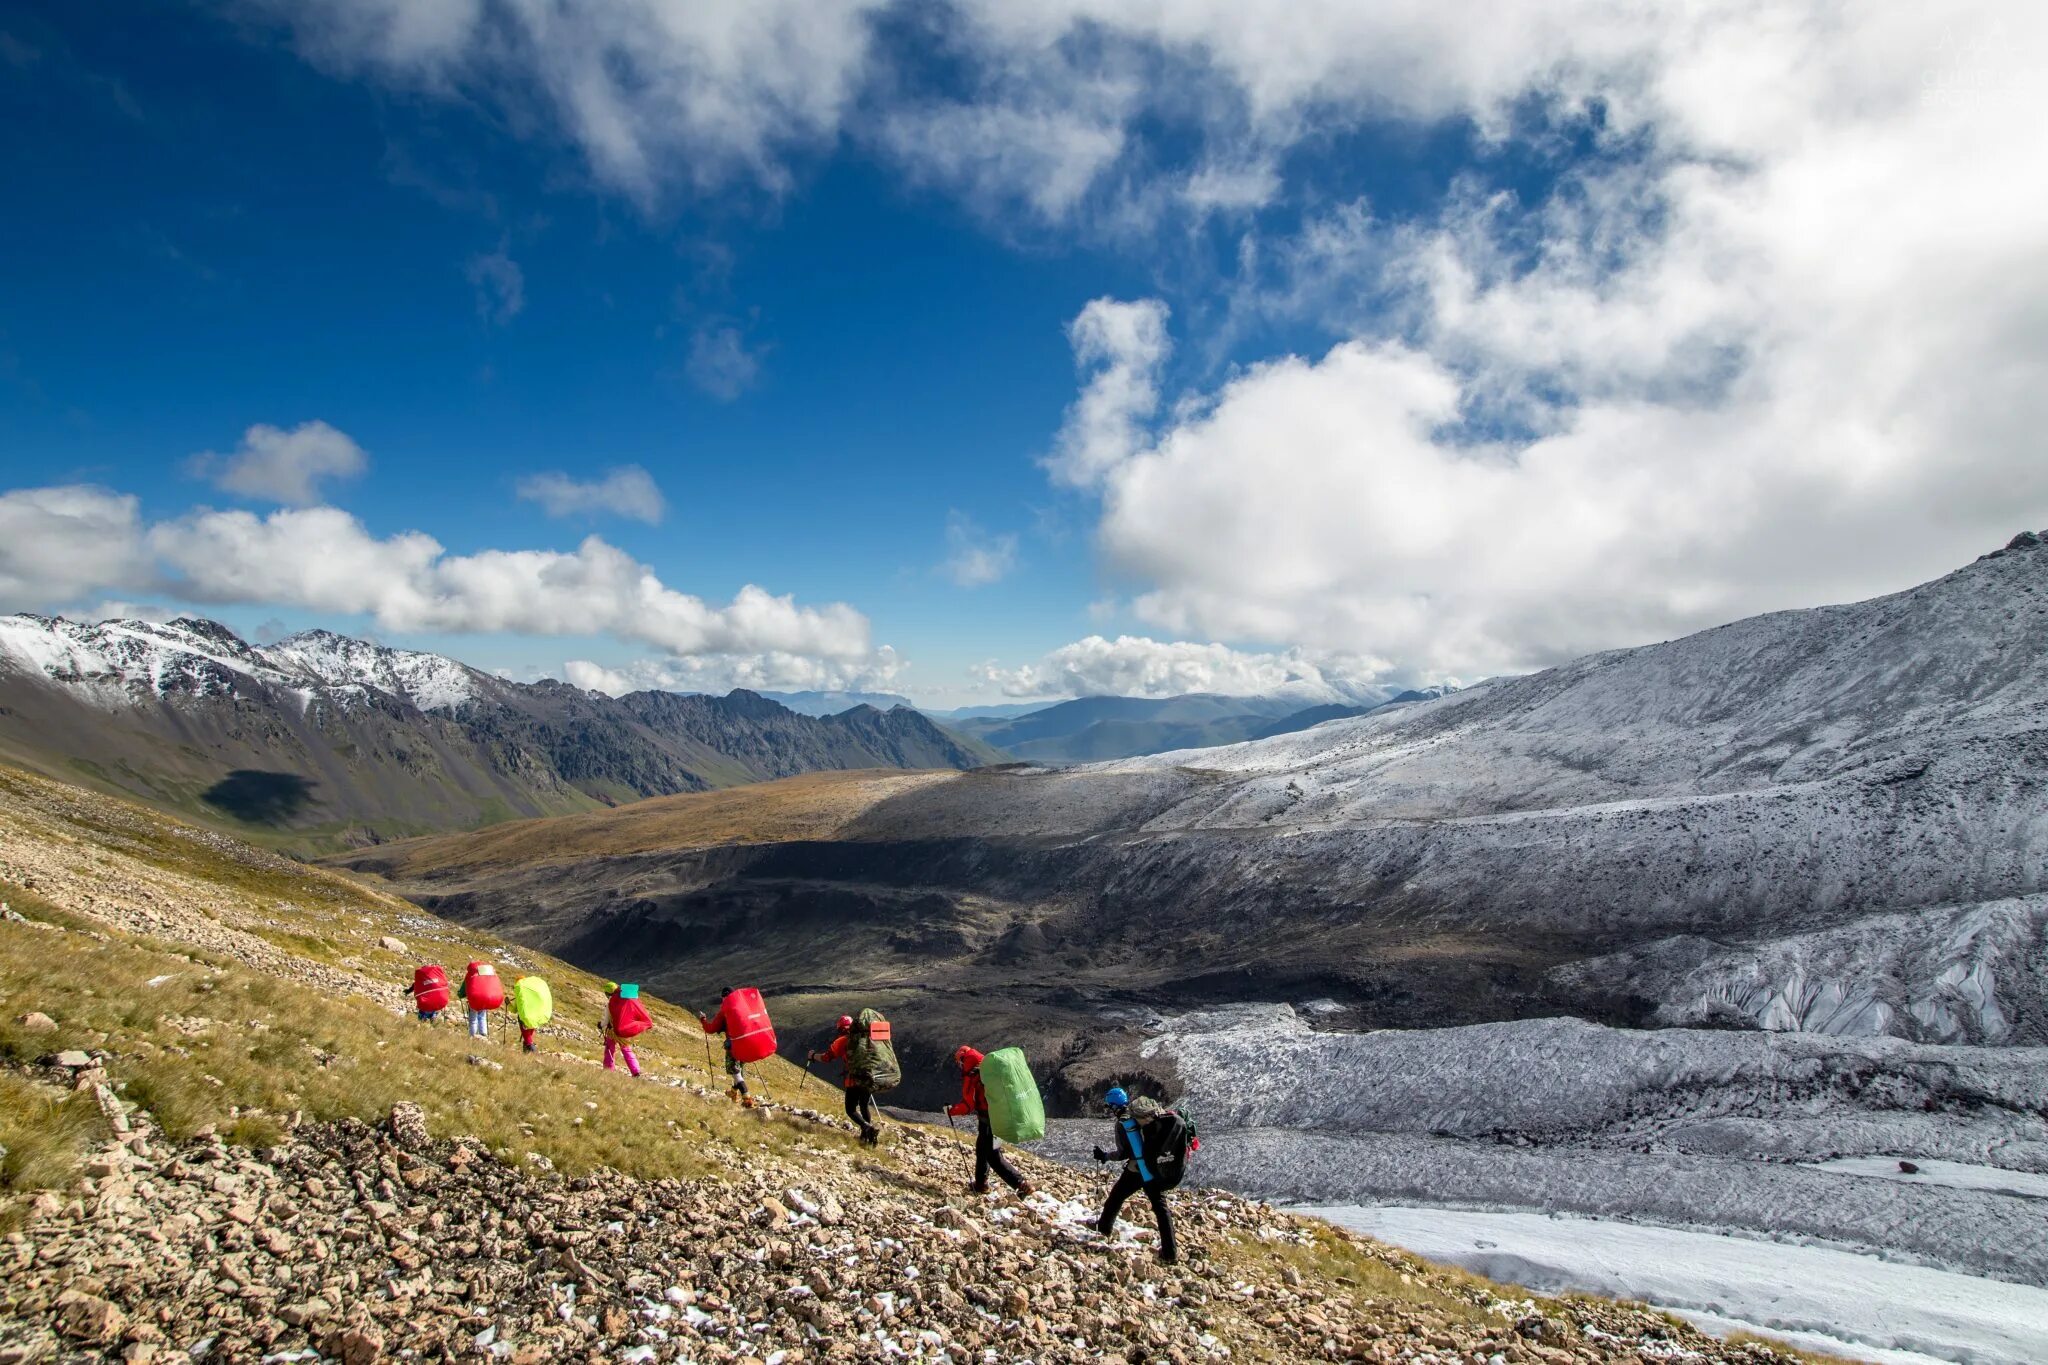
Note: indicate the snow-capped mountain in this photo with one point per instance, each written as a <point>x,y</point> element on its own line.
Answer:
<point>129,662</point>
<point>321,739</point>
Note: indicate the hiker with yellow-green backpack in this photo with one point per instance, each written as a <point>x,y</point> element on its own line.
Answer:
<point>533,1005</point>
<point>998,1089</point>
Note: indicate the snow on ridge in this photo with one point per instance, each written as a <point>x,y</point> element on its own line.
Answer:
<point>118,662</point>
<point>1787,697</point>
<point>429,681</point>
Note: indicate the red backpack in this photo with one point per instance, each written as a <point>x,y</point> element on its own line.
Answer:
<point>629,1018</point>
<point>482,988</point>
<point>430,989</point>
<point>747,1030</point>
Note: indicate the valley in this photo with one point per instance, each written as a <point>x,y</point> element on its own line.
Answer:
<point>1779,823</point>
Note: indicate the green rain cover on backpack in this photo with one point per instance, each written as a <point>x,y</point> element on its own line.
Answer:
<point>871,1053</point>
<point>533,1002</point>
<point>1015,1112</point>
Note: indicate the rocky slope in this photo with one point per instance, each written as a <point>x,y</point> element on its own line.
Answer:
<point>321,740</point>
<point>1832,818</point>
<point>656,1224</point>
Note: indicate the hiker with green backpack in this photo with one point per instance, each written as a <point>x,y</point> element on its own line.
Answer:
<point>998,1089</point>
<point>1153,1142</point>
<point>866,1049</point>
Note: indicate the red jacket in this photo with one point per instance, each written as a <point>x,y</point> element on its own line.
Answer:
<point>973,1096</point>
<point>837,1053</point>
<point>716,1023</point>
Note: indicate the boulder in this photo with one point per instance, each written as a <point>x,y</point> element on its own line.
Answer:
<point>35,1021</point>
<point>409,1125</point>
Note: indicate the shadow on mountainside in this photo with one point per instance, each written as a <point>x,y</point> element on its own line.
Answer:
<point>260,798</point>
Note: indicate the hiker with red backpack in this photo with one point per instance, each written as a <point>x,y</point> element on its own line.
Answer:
<point>625,1019</point>
<point>1153,1142</point>
<point>987,1155</point>
<point>866,1051</point>
<point>430,993</point>
<point>749,1037</point>
<point>482,992</point>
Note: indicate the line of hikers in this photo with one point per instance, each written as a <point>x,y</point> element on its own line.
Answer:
<point>996,1089</point>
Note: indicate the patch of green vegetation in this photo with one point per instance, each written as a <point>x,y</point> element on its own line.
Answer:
<point>43,1133</point>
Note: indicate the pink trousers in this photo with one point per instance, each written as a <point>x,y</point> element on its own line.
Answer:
<point>623,1048</point>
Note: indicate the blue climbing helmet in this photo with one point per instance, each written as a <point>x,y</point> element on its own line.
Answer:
<point>1116,1098</point>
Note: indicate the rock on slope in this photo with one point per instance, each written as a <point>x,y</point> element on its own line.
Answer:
<point>324,739</point>
<point>369,1236</point>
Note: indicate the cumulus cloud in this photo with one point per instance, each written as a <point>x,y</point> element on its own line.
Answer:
<point>1121,347</point>
<point>323,559</point>
<point>58,544</point>
<point>769,671</point>
<point>500,286</point>
<point>721,363</point>
<point>974,557</point>
<point>627,491</point>
<point>276,465</point>
<point>1135,666</point>
<point>1784,347</point>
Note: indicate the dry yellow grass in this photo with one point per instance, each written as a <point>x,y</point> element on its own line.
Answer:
<point>814,806</point>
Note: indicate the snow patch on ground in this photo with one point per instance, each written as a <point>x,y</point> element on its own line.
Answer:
<point>1954,1175</point>
<point>1910,1313</point>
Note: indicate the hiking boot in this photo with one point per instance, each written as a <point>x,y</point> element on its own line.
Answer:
<point>1026,1190</point>
<point>977,1187</point>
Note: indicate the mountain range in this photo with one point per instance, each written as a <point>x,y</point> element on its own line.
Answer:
<point>1091,729</point>
<point>1832,819</point>
<point>322,741</point>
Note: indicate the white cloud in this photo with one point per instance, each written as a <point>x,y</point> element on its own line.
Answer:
<point>999,156</point>
<point>323,559</point>
<point>653,93</point>
<point>1135,666</point>
<point>628,491</point>
<point>276,465</point>
<point>1123,346</point>
<point>1788,347</point>
<point>770,671</point>
<point>58,544</point>
<point>114,609</point>
<point>975,558</point>
<point>720,362</point>
<point>500,286</point>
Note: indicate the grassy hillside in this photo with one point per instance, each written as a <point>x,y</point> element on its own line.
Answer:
<point>814,806</point>
<point>255,1179</point>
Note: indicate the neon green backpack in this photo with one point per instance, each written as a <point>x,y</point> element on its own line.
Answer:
<point>1015,1112</point>
<point>533,1002</point>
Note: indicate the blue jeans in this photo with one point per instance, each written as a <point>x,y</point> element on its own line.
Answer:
<point>479,1023</point>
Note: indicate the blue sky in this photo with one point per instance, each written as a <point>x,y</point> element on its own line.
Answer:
<point>1421,352</point>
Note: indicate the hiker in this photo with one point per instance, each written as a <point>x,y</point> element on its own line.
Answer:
<point>743,1019</point>
<point>482,992</point>
<point>533,1005</point>
<point>987,1156</point>
<point>625,1018</point>
<point>859,1084</point>
<point>430,994</point>
<point>1153,1144</point>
